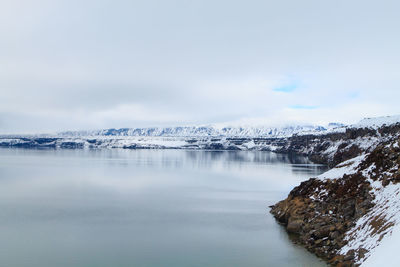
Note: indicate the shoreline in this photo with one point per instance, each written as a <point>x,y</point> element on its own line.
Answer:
<point>344,214</point>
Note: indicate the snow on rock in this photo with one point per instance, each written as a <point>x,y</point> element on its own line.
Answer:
<point>384,254</point>
<point>376,122</point>
<point>371,229</point>
<point>374,229</point>
<point>344,214</point>
<point>249,145</point>
<point>347,167</point>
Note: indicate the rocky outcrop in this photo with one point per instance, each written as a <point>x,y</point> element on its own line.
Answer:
<point>334,217</point>
<point>321,212</point>
<point>334,148</point>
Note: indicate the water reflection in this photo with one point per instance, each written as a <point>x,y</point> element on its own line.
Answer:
<point>146,208</point>
<point>172,159</point>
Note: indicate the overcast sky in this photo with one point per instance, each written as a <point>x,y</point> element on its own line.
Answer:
<point>99,64</point>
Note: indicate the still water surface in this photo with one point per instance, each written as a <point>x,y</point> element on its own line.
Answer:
<point>146,208</point>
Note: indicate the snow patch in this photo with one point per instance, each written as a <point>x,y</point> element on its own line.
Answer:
<point>347,167</point>
<point>373,227</point>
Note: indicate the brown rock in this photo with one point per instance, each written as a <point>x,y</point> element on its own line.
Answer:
<point>323,231</point>
<point>334,235</point>
<point>294,226</point>
<point>319,241</point>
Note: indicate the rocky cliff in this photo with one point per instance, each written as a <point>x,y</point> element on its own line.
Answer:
<point>343,214</point>
<point>336,147</point>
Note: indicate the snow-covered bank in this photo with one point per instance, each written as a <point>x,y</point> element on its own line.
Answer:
<point>345,214</point>
<point>385,253</point>
<point>382,171</point>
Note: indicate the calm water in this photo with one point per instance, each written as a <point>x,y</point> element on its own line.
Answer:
<point>146,208</point>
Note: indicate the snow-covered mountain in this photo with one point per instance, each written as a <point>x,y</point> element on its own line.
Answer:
<point>187,137</point>
<point>207,131</point>
<point>236,131</point>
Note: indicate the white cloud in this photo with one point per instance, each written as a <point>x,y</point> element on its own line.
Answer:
<point>74,64</point>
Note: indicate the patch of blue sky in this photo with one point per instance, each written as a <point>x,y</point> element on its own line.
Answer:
<point>353,95</point>
<point>288,88</point>
<point>303,107</point>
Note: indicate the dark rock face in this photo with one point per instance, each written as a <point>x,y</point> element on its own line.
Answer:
<point>71,145</point>
<point>316,147</point>
<point>320,212</point>
<point>134,146</point>
<point>45,140</point>
<point>38,142</point>
<point>215,146</point>
<point>345,153</point>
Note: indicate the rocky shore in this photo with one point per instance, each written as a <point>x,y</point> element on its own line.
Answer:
<point>342,215</point>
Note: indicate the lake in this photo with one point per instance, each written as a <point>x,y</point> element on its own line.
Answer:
<point>147,208</point>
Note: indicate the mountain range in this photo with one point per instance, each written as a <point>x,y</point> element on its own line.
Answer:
<point>208,131</point>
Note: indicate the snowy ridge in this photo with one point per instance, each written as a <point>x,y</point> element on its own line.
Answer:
<point>369,123</point>
<point>377,122</point>
<point>204,131</point>
<point>236,131</point>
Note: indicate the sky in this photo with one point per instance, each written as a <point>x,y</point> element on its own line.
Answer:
<point>70,65</point>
